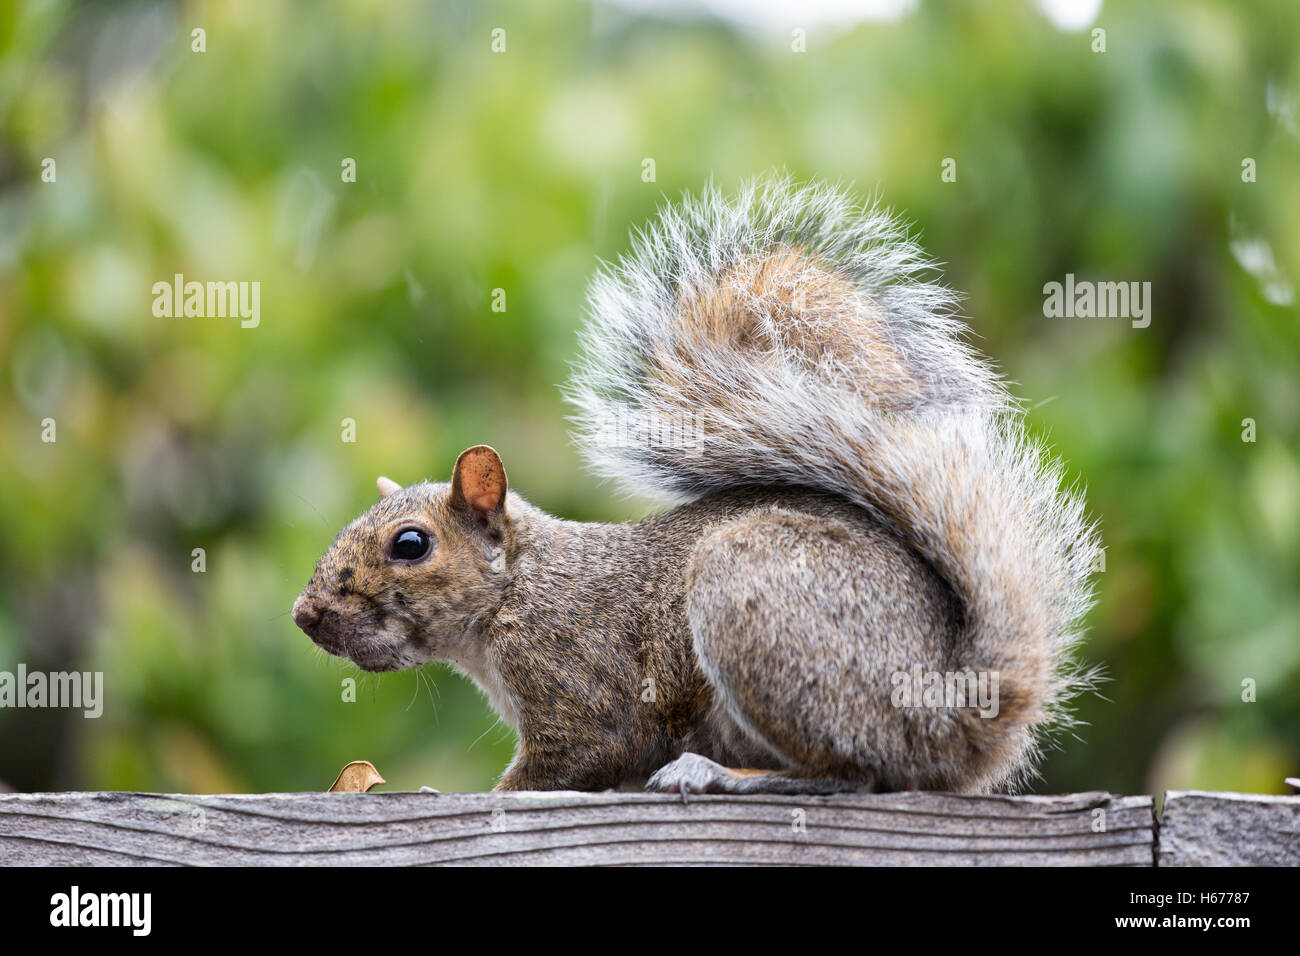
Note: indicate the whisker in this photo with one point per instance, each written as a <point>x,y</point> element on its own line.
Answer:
<point>327,525</point>
<point>491,727</point>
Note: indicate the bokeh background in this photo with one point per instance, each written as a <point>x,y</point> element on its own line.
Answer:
<point>517,170</point>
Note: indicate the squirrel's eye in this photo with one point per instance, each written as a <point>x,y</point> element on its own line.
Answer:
<point>410,545</point>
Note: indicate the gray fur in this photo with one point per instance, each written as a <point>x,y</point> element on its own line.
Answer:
<point>951,468</point>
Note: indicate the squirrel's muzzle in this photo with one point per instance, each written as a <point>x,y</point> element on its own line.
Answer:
<point>307,614</point>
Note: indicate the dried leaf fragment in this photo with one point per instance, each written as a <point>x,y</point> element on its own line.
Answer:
<point>357,777</point>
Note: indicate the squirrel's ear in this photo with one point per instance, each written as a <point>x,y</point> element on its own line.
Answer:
<point>387,486</point>
<point>479,481</point>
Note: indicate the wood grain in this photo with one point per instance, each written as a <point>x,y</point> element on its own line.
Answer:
<point>563,828</point>
<point>1200,828</point>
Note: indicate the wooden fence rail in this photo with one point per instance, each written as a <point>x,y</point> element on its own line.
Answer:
<point>563,828</point>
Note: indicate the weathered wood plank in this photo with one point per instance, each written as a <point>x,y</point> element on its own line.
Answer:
<point>574,828</point>
<point>1203,828</point>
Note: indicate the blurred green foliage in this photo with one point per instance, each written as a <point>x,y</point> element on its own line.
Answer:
<point>478,171</point>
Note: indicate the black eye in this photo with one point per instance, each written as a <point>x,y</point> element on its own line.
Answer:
<point>410,545</point>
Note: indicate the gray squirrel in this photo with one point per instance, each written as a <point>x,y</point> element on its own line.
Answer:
<point>863,536</point>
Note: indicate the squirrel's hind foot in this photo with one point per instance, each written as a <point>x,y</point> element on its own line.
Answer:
<point>691,773</point>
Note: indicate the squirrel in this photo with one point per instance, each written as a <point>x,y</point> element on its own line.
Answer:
<point>859,523</point>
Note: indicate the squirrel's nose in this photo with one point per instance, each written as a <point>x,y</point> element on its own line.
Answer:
<point>307,614</point>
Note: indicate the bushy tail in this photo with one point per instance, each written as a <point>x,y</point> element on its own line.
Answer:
<point>788,336</point>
